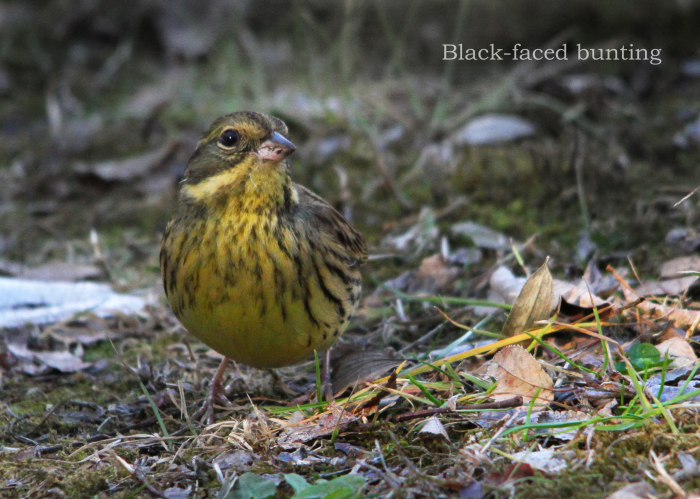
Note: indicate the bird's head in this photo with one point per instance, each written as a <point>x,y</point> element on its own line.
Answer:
<point>237,139</point>
<point>241,152</point>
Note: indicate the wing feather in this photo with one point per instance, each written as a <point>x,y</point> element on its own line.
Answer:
<point>333,224</point>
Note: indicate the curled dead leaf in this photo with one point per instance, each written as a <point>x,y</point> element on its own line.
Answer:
<point>434,427</point>
<point>534,302</point>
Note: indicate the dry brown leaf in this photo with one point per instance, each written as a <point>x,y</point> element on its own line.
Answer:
<point>598,283</point>
<point>434,276</point>
<point>518,373</point>
<point>671,268</point>
<point>577,295</point>
<point>682,318</point>
<point>298,432</point>
<point>668,287</point>
<point>679,350</point>
<point>534,302</point>
<point>504,287</point>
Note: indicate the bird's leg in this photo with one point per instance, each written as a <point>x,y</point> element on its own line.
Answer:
<point>326,382</point>
<point>215,393</point>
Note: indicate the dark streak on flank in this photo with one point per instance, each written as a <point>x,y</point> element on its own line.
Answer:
<point>307,307</point>
<point>263,308</point>
<point>282,246</point>
<point>283,308</point>
<point>278,276</point>
<point>298,268</point>
<point>258,270</point>
<point>338,272</point>
<point>327,292</point>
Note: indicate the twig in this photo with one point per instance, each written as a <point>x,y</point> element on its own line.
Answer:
<point>388,181</point>
<point>503,404</point>
<point>424,337</point>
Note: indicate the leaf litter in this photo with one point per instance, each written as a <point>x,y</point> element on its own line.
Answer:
<point>555,377</point>
<point>604,377</point>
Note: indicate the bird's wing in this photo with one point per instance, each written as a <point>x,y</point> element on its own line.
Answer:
<point>333,224</point>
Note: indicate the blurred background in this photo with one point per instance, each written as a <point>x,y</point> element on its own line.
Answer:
<point>101,104</point>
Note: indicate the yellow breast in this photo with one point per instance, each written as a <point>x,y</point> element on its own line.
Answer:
<point>256,288</point>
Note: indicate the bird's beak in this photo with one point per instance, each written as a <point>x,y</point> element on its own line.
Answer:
<point>276,148</point>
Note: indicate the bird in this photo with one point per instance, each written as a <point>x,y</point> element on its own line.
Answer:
<point>257,267</point>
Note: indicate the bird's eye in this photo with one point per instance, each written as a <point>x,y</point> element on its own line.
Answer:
<point>229,138</point>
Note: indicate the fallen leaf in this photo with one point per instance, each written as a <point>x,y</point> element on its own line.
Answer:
<point>682,318</point>
<point>480,235</point>
<point>673,267</point>
<point>434,276</point>
<point>25,301</point>
<point>596,282</point>
<point>546,460</point>
<point>639,490</point>
<point>533,303</point>
<point>578,295</point>
<point>668,287</point>
<point>177,493</point>
<point>493,129</point>
<point>434,427</point>
<point>679,350</point>
<point>64,362</point>
<point>132,168</point>
<point>63,271</point>
<point>512,472</point>
<point>518,373</point>
<point>296,433</point>
<point>235,459</point>
<point>86,330</point>
<point>562,434</point>
<point>504,286</point>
